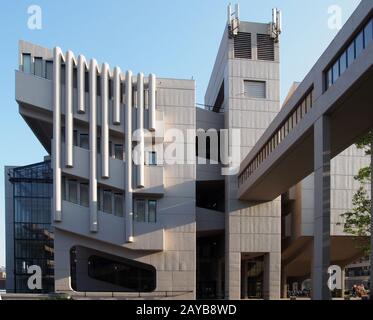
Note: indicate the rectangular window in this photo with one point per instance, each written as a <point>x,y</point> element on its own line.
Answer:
<point>368,33</point>
<point>343,63</point>
<point>49,70</point>
<point>351,54</point>
<point>107,204</point>
<point>84,141</point>
<point>26,62</point>
<point>359,41</point>
<point>38,67</point>
<point>75,138</point>
<point>139,210</point>
<point>118,204</point>
<point>84,197</point>
<point>152,211</point>
<point>118,151</point>
<point>335,71</point>
<point>152,158</point>
<point>255,89</point>
<point>73,191</point>
<point>329,79</point>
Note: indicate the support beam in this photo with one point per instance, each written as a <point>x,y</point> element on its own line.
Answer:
<point>321,234</point>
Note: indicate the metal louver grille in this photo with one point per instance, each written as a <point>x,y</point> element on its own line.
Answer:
<point>242,45</point>
<point>255,89</point>
<point>266,47</point>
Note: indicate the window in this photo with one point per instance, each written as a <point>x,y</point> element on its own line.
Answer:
<point>118,204</point>
<point>38,67</point>
<point>107,201</point>
<point>329,79</point>
<point>49,70</point>
<point>152,211</point>
<point>343,63</point>
<point>26,62</point>
<point>139,210</point>
<point>152,158</point>
<point>73,191</point>
<point>128,274</point>
<point>75,137</point>
<point>255,89</point>
<point>84,141</point>
<point>335,71</point>
<point>368,33</point>
<point>118,151</point>
<point>359,43</point>
<point>84,198</point>
<point>351,54</point>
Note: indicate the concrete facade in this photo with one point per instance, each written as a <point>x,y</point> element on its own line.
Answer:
<point>171,213</point>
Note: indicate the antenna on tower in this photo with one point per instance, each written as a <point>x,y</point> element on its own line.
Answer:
<point>276,24</point>
<point>233,20</point>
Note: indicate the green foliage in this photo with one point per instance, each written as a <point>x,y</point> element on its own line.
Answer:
<point>357,221</point>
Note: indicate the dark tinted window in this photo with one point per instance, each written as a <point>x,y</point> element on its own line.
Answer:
<point>129,274</point>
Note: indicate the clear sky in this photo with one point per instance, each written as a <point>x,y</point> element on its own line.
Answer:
<point>172,38</point>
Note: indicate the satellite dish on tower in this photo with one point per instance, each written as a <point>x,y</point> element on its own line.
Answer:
<point>233,20</point>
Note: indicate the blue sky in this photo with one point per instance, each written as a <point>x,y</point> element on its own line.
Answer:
<point>177,39</point>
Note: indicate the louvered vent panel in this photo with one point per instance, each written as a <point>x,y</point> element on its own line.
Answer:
<point>255,89</point>
<point>242,45</point>
<point>266,47</point>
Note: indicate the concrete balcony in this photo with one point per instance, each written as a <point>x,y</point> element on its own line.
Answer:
<point>209,220</point>
<point>75,219</point>
<point>153,174</point>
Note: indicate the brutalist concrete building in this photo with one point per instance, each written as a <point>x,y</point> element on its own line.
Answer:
<point>133,205</point>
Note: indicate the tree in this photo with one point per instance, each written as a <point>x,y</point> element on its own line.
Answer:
<point>358,220</point>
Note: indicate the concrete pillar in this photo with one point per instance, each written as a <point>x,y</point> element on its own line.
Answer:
<point>56,145</point>
<point>321,244</point>
<point>244,279</point>
<point>371,226</point>
<point>284,285</point>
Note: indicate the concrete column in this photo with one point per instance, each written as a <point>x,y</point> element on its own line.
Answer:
<point>69,120</point>
<point>321,244</point>
<point>93,146</point>
<point>152,101</point>
<point>82,65</point>
<point>128,152</point>
<point>284,285</point>
<point>117,97</point>
<point>244,279</point>
<point>56,147</point>
<point>140,131</point>
<point>105,121</point>
<point>371,224</point>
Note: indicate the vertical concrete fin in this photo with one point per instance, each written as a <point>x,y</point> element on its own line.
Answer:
<point>82,66</point>
<point>56,152</point>
<point>93,146</point>
<point>152,100</point>
<point>105,121</point>
<point>69,117</point>
<point>116,95</point>
<point>128,156</point>
<point>140,131</point>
